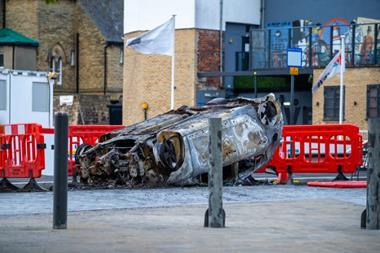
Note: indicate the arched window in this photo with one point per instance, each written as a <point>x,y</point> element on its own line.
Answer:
<point>57,56</point>
<point>121,56</point>
<point>56,66</point>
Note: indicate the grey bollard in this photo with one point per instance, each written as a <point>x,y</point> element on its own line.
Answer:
<point>60,171</point>
<point>372,212</point>
<point>215,216</point>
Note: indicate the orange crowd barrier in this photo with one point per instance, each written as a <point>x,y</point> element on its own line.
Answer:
<point>22,153</point>
<point>82,134</point>
<point>317,149</point>
<point>304,149</point>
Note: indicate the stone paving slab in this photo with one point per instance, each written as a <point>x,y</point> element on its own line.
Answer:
<point>41,202</point>
<point>314,225</point>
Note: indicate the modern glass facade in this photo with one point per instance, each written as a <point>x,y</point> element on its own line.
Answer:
<point>318,43</point>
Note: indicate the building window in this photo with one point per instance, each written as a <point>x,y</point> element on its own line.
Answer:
<point>56,66</point>
<point>121,56</point>
<point>1,59</point>
<point>57,57</point>
<point>3,95</point>
<point>373,101</point>
<point>72,58</point>
<point>331,103</point>
<point>40,97</point>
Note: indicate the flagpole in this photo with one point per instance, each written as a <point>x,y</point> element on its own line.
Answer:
<point>342,65</point>
<point>172,89</point>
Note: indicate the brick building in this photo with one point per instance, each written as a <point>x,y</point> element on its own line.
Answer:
<point>256,35</point>
<point>361,98</point>
<point>199,24</point>
<point>147,78</point>
<point>317,30</point>
<point>81,40</point>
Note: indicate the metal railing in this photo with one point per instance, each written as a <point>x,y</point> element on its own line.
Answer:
<point>318,43</point>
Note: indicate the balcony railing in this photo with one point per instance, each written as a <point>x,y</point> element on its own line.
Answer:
<point>318,44</point>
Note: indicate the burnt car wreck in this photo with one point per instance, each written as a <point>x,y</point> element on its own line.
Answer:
<point>172,148</point>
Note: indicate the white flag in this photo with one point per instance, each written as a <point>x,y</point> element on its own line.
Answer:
<point>331,70</point>
<point>160,40</point>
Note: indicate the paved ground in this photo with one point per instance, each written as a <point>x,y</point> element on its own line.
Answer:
<point>41,202</point>
<point>316,225</point>
<point>300,178</point>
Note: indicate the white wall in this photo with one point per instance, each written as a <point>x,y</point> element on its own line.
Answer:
<point>19,104</point>
<point>242,11</point>
<point>146,14</point>
<point>4,114</point>
<point>235,11</point>
<point>207,14</point>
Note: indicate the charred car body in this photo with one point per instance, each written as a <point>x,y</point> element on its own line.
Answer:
<point>172,148</point>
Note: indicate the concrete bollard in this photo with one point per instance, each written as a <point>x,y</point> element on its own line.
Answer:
<point>60,171</point>
<point>372,212</point>
<point>215,216</point>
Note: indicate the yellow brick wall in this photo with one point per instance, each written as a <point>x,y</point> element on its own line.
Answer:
<point>356,81</point>
<point>58,23</point>
<point>50,24</point>
<point>114,69</point>
<point>22,16</point>
<point>57,31</point>
<point>147,78</point>
<point>91,55</point>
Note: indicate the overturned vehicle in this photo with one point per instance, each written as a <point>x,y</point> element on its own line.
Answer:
<point>172,148</point>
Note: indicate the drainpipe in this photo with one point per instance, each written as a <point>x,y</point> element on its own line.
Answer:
<point>77,63</point>
<point>13,56</point>
<point>4,13</point>
<point>105,69</point>
<point>10,97</point>
<point>262,13</point>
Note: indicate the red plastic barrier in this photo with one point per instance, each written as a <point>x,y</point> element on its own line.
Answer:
<point>82,134</point>
<point>2,151</point>
<point>339,184</point>
<point>317,149</point>
<point>22,153</point>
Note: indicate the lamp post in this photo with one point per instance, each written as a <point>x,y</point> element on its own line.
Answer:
<point>145,107</point>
